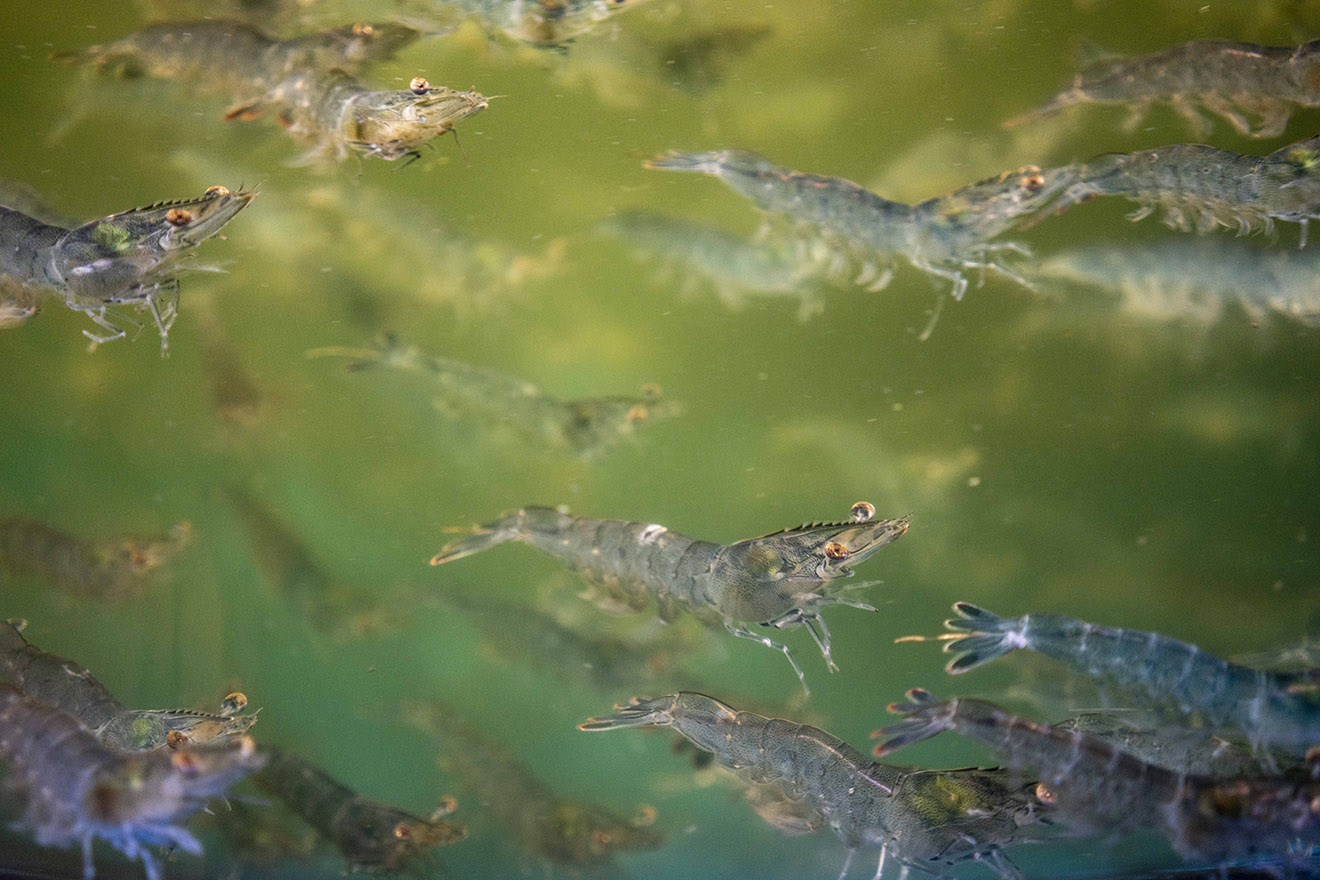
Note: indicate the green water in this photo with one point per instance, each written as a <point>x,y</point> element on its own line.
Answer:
<point>1153,476</point>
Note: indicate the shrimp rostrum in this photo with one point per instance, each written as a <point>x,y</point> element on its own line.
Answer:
<point>1097,786</point>
<point>124,259</point>
<point>779,580</point>
<point>1231,79</point>
<point>1266,707</point>
<point>1199,187</point>
<point>944,236</point>
<point>73,789</point>
<point>927,819</point>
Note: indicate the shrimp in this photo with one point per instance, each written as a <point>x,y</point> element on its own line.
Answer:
<point>542,23</point>
<point>1231,79</point>
<point>1199,187</point>
<point>234,58</point>
<point>562,831</point>
<point>585,426</point>
<point>922,818</point>
<point>111,568</point>
<point>74,789</point>
<point>369,834</point>
<point>1260,704</point>
<point>1207,755</point>
<point>1194,279</point>
<point>1096,784</point>
<point>123,259</point>
<point>69,686</point>
<point>338,115</point>
<point>779,580</point>
<point>736,267</point>
<point>942,236</point>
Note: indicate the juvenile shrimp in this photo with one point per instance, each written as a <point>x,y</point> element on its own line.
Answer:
<point>111,568</point>
<point>779,580</point>
<point>369,834</point>
<point>1098,786</point>
<point>921,818</point>
<point>1262,705</point>
<point>735,266</point>
<point>124,259</point>
<point>71,687</point>
<point>1200,187</point>
<point>586,426</point>
<point>73,789</point>
<point>1231,79</point>
<point>233,58</point>
<point>943,236</point>
<point>543,23</point>
<point>338,115</point>
<point>560,830</point>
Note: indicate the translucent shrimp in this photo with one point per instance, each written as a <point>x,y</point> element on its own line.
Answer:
<point>1262,705</point>
<point>921,818</point>
<point>73,789</point>
<point>69,686</point>
<point>124,259</point>
<point>780,580</point>
<point>236,59</point>
<point>587,426</point>
<point>112,568</point>
<point>1199,187</point>
<point>338,115</point>
<point>943,236</point>
<point>370,835</point>
<point>1231,79</point>
<point>543,23</point>
<point>562,831</point>
<point>1099,787</point>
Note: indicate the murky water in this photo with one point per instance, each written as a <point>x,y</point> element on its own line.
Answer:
<point>1052,455</point>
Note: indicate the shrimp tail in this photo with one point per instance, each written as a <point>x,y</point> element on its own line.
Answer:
<point>638,713</point>
<point>924,717</point>
<point>989,636</point>
<point>503,530</point>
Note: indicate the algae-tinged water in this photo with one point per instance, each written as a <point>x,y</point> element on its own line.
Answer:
<point>1089,463</point>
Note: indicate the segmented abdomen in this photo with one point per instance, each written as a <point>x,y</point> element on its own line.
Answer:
<point>60,683</point>
<point>25,249</point>
<point>633,557</point>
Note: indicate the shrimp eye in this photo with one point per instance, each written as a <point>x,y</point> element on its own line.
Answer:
<point>402,831</point>
<point>178,217</point>
<point>862,511</point>
<point>1044,795</point>
<point>419,85</point>
<point>235,702</point>
<point>1033,182</point>
<point>216,191</point>
<point>600,840</point>
<point>835,550</point>
<point>363,30</point>
<point>174,739</point>
<point>637,414</point>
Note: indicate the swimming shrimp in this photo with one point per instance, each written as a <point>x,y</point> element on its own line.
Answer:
<point>370,835</point>
<point>563,831</point>
<point>73,789</point>
<point>779,580</point>
<point>124,259</point>
<point>921,818</point>
<point>586,426</point>
<point>1199,187</point>
<point>542,23</point>
<point>236,59</point>
<point>1260,704</point>
<point>1097,785</point>
<point>943,236</point>
<point>71,687</point>
<point>111,568</point>
<point>1231,79</point>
